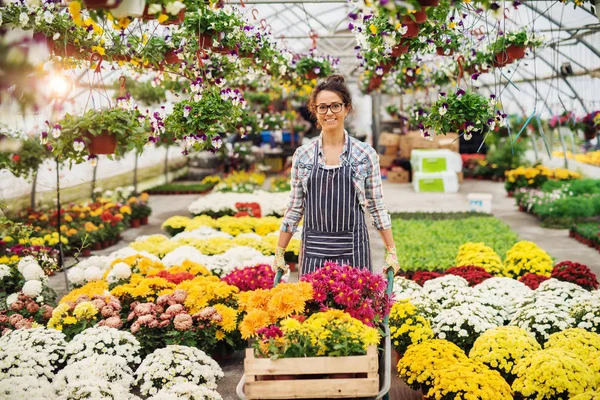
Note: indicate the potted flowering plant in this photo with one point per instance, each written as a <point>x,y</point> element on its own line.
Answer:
<point>107,131</point>
<point>393,110</point>
<point>463,111</point>
<point>312,66</point>
<point>25,161</point>
<point>196,123</point>
<point>447,39</point>
<point>408,326</point>
<point>167,12</point>
<point>579,274</point>
<point>210,26</point>
<point>251,278</point>
<point>156,50</point>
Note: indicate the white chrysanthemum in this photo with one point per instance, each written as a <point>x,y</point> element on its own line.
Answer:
<point>270,203</point>
<point>33,352</point>
<point>443,282</point>
<point>100,262</point>
<point>542,319</point>
<point>106,368</point>
<point>463,324</point>
<point>76,276</point>
<point>128,252</point>
<point>104,340</point>
<point>249,235</point>
<point>119,271</point>
<point>23,262</point>
<point>96,390</point>
<point>568,292</point>
<point>586,314</point>
<point>183,253</point>
<point>177,364</point>
<point>405,288</point>
<point>186,391</point>
<point>26,388</point>
<point>32,288</point>
<point>503,288</point>
<point>33,271</point>
<point>93,274</point>
<point>4,271</point>
<point>12,298</point>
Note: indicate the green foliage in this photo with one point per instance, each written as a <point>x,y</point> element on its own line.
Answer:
<point>308,64</point>
<point>144,92</point>
<point>182,187</point>
<point>589,230</point>
<point>25,160</point>
<point>432,243</point>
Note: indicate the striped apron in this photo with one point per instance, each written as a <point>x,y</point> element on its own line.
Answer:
<point>334,222</point>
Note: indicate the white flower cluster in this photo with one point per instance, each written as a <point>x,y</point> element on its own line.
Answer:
<point>25,388</point>
<point>202,233</point>
<point>586,314</point>
<point>508,289</point>
<point>462,324</point>
<point>4,271</point>
<point>31,352</point>
<point>34,276</point>
<point>95,390</point>
<point>216,202</point>
<point>186,391</point>
<point>177,364</point>
<point>95,368</point>
<point>405,288</point>
<point>542,319</point>
<point>446,290</point>
<point>104,340</point>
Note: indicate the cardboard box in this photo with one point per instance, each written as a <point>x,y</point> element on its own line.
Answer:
<point>449,141</point>
<point>389,150</point>
<point>422,143</point>
<point>388,139</point>
<point>460,176</point>
<point>386,161</point>
<point>398,176</point>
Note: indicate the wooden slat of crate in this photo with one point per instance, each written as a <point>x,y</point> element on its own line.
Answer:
<point>312,389</point>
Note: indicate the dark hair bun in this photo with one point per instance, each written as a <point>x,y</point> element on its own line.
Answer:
<point>337,78</point>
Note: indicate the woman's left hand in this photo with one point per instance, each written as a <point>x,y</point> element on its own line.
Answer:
<point>391,260</point>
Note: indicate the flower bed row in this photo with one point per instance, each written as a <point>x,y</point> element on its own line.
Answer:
<point>587,233</point>
<point>535,177</point>
<point>560,204</point>
<point>230,225</point>
<point>219,204</point>
<point>425,243</point>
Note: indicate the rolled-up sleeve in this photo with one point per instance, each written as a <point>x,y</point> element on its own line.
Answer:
<point>295,206</point>
<point>374,195</point>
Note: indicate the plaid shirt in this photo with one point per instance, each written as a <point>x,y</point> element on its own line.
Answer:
<point>364,162</point>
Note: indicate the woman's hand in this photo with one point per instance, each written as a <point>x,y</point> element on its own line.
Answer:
<point>391,260</point>
<point>279,262</point>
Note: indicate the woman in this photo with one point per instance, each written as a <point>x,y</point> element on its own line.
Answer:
<point>333,180</point>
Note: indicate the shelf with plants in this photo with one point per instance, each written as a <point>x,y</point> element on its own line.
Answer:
<point>587,233</point>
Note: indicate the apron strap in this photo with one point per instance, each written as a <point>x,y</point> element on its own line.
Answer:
<point>316,158</point>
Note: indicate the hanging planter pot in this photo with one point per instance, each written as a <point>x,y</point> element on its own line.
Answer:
<point>101,4</point>
<point>171,57</point>
<point>516,52</point>
<point>129,8</point>
<point>440,51</point>
<point>375,82</point>
<point>205,41</point>
<point>176,19</point>
<point>311,75</point>
<point>387,67</point>
<point>502,59</point>
<point>399,49</point>
<point>420,17</point>
<point>102,144</point>
<point>429,3</point>
<point>413,29</point>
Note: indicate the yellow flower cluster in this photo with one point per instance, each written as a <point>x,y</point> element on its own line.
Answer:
<point>264,307</point>
<point>531,173</point>
<point>583,344</point>
<point>212,179</point>
<point>443,371</point>
<point>480,255</point>
<point>550,374</point>
<point>407,327</point>
<point>592,157</point>
<point>205,291</point>
<point>89,289</point>
<point>160,245</point>
<point>588,396</point>
<point>8,260</point>
<point>500,348</point>
<point>242,177</point>
<point>62,316</point>
<point>324,329</point>
<point>526,257</point>
<point>176,222</point>
<point>142,288</point>
<point>231,225</point>
<point>191,267</point>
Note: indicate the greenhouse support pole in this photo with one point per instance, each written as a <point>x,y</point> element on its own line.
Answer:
<point>94,180</point>
<point>58,223</point>
<point>167,165</point>
<point>135,167</point>
<point>33,185</point>
<point>564,148</point>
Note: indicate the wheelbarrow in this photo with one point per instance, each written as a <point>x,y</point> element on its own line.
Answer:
<point>371,382</point>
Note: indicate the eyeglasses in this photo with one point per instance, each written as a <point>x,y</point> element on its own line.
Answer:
<point>334,107</point>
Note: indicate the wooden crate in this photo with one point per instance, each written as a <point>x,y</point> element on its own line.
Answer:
<point>303,387</point>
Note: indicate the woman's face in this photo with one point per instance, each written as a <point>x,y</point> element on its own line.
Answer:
<point>331,120</point>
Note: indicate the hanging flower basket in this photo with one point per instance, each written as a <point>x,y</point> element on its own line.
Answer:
<point>205,41</point>
<point>175,20</point>
<point>171,58</point>
<point>399,49</point>
<point>102,144</point>
<point>516,52</point>
<point>502,59</point>
<point>129,8</point>
<point>375,82</point>
<point>413,29</point>
<point>442,52</point>
<point>101,4</point>
<point>420,17</point>
<point>311,75</point>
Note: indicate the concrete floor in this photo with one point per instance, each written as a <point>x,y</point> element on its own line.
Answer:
<point>400,198</point>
